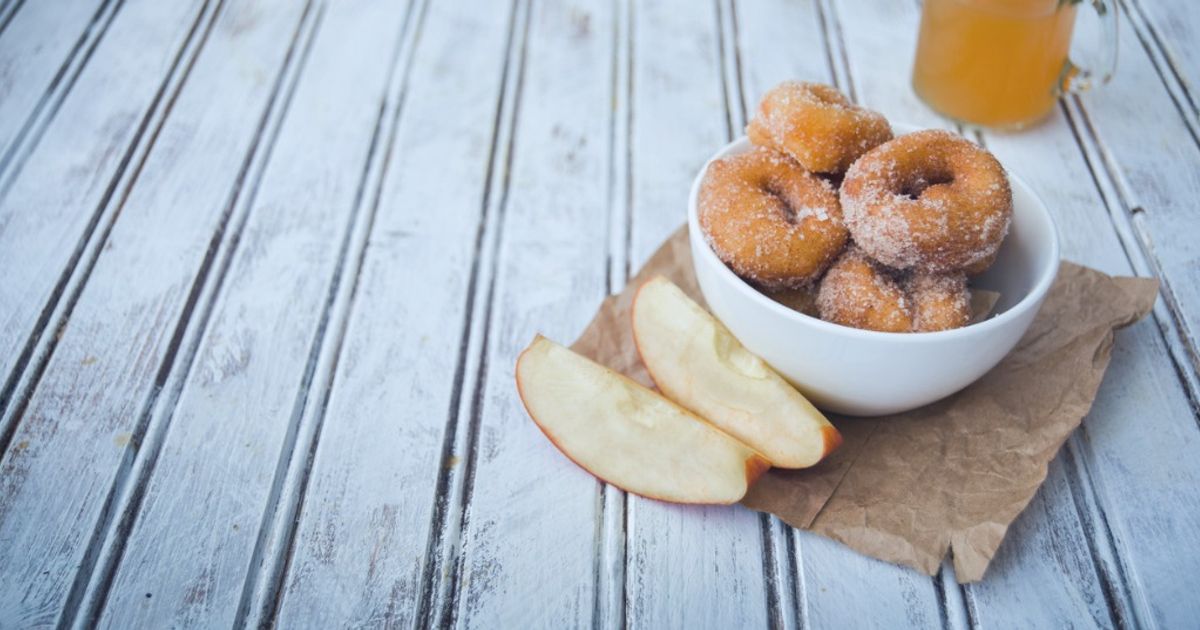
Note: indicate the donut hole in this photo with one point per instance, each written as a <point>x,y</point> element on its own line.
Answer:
<point>913,187</point>
<point>779,199</point>
<point>770,221</point>
<point>784,198</point>
<point>833,179</point>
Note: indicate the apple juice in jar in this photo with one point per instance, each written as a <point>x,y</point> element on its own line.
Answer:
<point>995,63</point>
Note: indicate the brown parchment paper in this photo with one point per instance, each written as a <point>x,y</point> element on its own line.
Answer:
<point>950,476</point>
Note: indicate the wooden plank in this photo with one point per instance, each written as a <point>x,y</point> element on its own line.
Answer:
<point>8,9</point>
<point>1018,592</point>
<point>1049,158</point>
<point>679,556</point>
<point>118,348</point>
<point>842,588</point>
<point>1169,30</point>
<point>238,405</point>
<point>532,517</point>
<point>610,609</point>
<point>779,41</point>
<point>37,59</point>
<point>679,115</point>
<point>1140,457</point>
<point>364,552</point>
<point>1051,161</point>
<point>1156,169</point>
<point>1148,173</point>
<point>49,211</point>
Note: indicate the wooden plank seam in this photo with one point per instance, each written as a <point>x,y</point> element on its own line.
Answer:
<point>1114,564</point>
<point>8,9</point>
<point>1165,65</point>
<point>35,355</point>
<point>1125,215</point>
<point>262,591</point>
<point>88,593</point>
<point>443,547</point>
<point>12,156</point>
<point>612,522</point>
<point>467,433</point>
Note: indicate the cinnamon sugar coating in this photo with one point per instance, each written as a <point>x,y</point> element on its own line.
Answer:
<point>857,292</point>
<point>860,293</point>
<point>929,201</point>
<point>939,302</point>
<point>817,126</point>
<point>772,222</point>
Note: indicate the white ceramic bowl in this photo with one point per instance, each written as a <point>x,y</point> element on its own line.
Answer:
<point>867,373</point>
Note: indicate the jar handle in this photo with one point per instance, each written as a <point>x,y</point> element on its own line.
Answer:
<point>1075,79</point>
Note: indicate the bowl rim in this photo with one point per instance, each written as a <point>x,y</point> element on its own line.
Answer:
<point>1030,299</point>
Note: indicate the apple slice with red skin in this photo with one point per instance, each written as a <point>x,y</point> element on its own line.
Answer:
<point>698,363</point>
<point>629,435</point>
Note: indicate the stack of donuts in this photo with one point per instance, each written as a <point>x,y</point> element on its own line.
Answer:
<point>886,230</point>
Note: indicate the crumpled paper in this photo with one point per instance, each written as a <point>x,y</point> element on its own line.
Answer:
<point>950,476</point>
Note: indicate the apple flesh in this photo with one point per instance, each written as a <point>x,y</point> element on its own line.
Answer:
<point>629,435</point>
<point>698,363</point>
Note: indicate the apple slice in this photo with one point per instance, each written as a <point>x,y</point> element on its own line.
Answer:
<point>629,435</point>
<point>697,362</point>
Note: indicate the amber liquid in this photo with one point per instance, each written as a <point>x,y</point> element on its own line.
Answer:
<point>994,63</point>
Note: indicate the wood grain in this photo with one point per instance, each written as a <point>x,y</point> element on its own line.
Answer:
<point>122,337</point>
<point>237,408</point>
<point>1167,31</point>
<point>610,606</point>
<point>45,47</point>
<point>1148,201</point>
<point>1154,170</point>
<point>65,187</point>
<point>1176,28</point>
<point>366,520</point>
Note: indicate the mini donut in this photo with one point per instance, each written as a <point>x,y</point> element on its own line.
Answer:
<point>929,201</point>
<point>772,222</point>
<point>857,292</point>
<point>816,125</point>
<point>938,302</point>
<point>981,265</point>
<point>861,293</point>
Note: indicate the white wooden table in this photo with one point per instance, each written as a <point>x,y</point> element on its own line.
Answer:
<point>265,266</point>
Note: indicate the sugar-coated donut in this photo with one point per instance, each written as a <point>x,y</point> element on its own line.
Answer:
<point>861,293</point>
<point>981,265</point>
<point>816,125</point>
<point>772,222</point>
<point>857,292</point>
<point>938,302</point>
<point>929,201</point>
